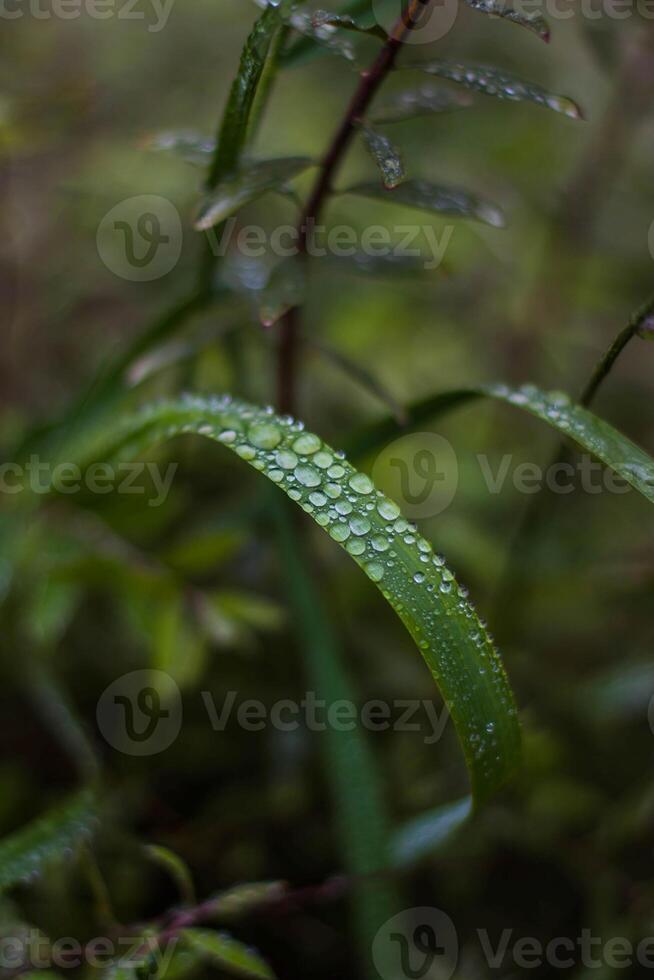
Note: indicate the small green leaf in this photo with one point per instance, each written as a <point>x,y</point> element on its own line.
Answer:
<point>425,196</point>
<point>323,35</point>
<point>286,287</point>
<point>176,868</point>
<point>191,147</point>
<point>227,953</point>
<point>25,854</point>
<point>238,901</point>
<point>369,527</point>
<point>386,156</point>
<point>236,121</point>
<point>323,18</point>
<point>429,831</point>
<point>500,84</point>
<point>498,8</point>
<point>421,101</point>
<point>246,186</point>
<point>577,423</point>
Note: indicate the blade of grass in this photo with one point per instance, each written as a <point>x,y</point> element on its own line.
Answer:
<point>345,503</point>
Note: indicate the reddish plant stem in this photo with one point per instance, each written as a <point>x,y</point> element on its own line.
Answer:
<point>369,84</point>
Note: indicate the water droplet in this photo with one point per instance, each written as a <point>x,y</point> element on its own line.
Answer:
<point>380,543</point>
<point>323,460</point>
<point>361,483</point>
<point>286,460</point>
<point>375,571</point>
<point>355,547</point>
<point>308,476</point>
<point>387,509</point>
<point>359,526</point>
<point>264,435</point>
<point>340,532</point>
<point>228,436</point>
<point>306,444</point>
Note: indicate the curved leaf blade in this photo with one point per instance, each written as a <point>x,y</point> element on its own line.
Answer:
<point>323,18</point>
<point>555,408</point>
<point>226,952</point>
<point>500,84</point>
<point>423,101</point>
<point>425,196</point>
<point>535,22</point>
<point>386,156</point>
<point>25,854</point>
<point>250,183</point>
<point>415,582</point>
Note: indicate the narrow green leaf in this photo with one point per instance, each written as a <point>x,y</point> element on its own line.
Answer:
<point>425,196</point>
<point>500,84</point>
<point>498,8</point>
<point>238,901</point>
<point>25,854</point>
<point>286,287</point>
<point>386,156</point>
<point>422,101</point>
<point>235,125</point>
<point>322,35</point>
<point>190,147</point>
<point>577,423</point>
<point>429,831</point>
<point>323,18</point>
<point>361,813</point>
<point>176,868</point>
<point>423,592</point>
<point>246,186</point>
<point>227,953</point>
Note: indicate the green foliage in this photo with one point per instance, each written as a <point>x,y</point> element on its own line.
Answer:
<point>29,852</point>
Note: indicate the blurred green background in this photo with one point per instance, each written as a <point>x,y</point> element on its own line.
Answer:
<point>95,587</point>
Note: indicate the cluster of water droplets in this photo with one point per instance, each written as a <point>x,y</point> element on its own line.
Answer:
<point>490,81</point>
<point>586,429</point>
<point>370,527</point>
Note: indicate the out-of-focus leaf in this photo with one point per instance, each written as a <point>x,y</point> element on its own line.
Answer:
<point>323,35</point>
<point>25,854</point>
<point>386,156</point>
<point>498,8</point>
<point>362,819</point>
<point>421,101</point>
<point>323,18</point>
<point>425,196</point>
<point>241,899</point>
<point>246,186</point>
<point>428,832</point>
<point>235,125</point>
<point>50,609</point>
<point>58,713</point>
<point>585,428</point>
<point>191,147</point>
<point>227,953</point>
<point>306,48</point>
<point>176,868</point>
<point>500,84</point>
<point>178,648</point>
<point>204,549</point>
<point>346,504</point>
<point>286,288</point>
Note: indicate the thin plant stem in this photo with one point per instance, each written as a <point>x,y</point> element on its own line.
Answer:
<point>644,314</point>
<point>370,81</point>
